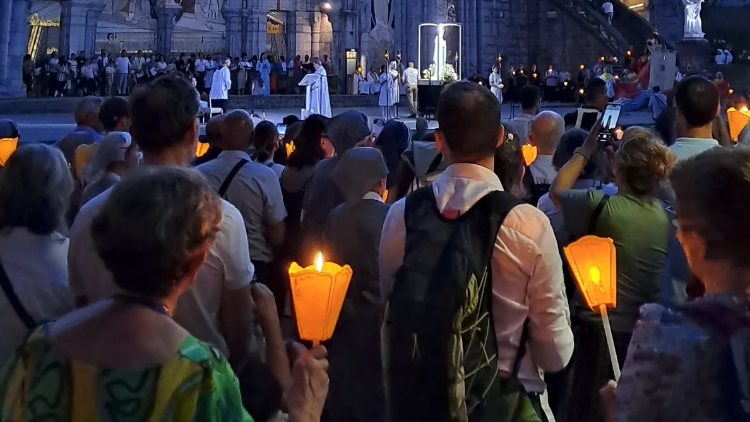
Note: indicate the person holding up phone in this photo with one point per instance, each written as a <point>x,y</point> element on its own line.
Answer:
<point>637,223</point>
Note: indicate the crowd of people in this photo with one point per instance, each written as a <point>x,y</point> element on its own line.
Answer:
<point>111,73</point>
<point>145,272</point>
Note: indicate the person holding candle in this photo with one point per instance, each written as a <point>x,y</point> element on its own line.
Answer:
<point>436,240</point>
<point>688,361</point>
<point>352,236</point>
<point>125,356</point>
<point>639,226</point>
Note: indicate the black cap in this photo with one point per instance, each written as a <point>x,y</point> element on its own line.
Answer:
<point>8,129</point>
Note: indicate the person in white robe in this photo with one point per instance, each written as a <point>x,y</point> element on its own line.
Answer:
<point>386,91</point>
<point>394,98</point>
<point>374,80</point>
<point>264,68</point>
<point>495,81</point>
<point>220,86</point>
<point>729,57</point>
<point>320,103</point>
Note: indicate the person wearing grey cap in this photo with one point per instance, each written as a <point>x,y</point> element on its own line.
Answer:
<point>352,236</point>
<point>114,155</point>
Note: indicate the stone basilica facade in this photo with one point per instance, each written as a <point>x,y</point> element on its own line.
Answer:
<point>354,33</point>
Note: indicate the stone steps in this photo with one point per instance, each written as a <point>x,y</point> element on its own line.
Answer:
<point>247,102</point>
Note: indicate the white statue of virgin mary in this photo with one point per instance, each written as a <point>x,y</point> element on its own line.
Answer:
<point>693,22</point>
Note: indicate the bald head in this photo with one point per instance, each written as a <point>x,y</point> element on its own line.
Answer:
<point>213,130</point>
<point>546,129</point>
<point>237,130</point>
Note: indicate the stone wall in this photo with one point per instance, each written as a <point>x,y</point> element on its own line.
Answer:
<point>668,16</point>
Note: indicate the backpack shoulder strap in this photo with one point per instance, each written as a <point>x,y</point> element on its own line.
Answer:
<point>501,204</point>
<point>232,173</point>
<point>15,302</point>
<point>597,212</point>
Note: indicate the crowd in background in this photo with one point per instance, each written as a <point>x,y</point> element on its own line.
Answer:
<point>460,300</point>
<point>112,73</point>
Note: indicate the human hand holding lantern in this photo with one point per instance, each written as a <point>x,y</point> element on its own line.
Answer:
<point>318,293</point>
<point>592,260</point>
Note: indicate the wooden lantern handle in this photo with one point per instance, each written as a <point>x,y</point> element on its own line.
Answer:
<point>610,342</point>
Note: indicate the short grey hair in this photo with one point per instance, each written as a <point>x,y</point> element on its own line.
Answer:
<point>35,189</point>
<point>176,215</point>
<point>86,105</point>
<point>316,60</point>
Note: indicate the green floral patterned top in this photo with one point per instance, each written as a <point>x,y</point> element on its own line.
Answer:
<point>41,384</point>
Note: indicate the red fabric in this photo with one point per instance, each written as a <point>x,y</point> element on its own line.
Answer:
<point>723,87</point>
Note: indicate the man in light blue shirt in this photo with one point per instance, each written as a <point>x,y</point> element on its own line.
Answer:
<point>697,102</point>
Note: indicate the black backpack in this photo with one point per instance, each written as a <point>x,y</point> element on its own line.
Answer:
<point>440,350</point>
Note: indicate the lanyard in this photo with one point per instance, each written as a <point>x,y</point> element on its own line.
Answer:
<point>147,303</point>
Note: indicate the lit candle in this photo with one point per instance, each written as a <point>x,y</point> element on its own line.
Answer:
<point>593,262</point>
<point>529,153</point>
<point>318,293</point>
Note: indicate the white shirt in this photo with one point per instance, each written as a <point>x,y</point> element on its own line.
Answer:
<point>542,170</point>
<point>138,63</point>
<point>277,168</point>
<point>220,84</point>
<point>608,7</point>
<point>200,65</point>
<point>227,266</point>
<point>256,193</point>
<point>521,126</point>
<point>411,76</point>
<point>526,270</point>
<point>88,70</point>
<point>37,268</point>
<point>123,64</point>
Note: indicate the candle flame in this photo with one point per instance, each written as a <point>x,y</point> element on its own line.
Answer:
<point>319,262</point>
<point>744,108</point>
<point>595,274</point>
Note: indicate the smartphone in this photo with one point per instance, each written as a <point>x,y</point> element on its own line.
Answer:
<point>281,128</point>
<point>609,120</point>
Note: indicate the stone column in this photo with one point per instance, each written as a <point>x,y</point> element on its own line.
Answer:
<point>6,7</point>
<point>258,30</point>
<point>338,56</point>
<point>165,15</point>
<point>73,25</point>
<point>92,17</point>
<point>233,35</point>
<point>247,36</point>
<point>19,41</point>
<point>299,33</point>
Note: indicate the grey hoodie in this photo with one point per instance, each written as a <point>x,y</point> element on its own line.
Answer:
<point>322,195</point>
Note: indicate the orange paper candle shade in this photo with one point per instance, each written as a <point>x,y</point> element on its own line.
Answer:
<point>534,75</point>
<point>289,148</point>
<point>7,148</point>
<point>201,148</point>
<point>529,153</point>
<point>737,119</point>
<point>318,293</point>
<point>592,261</point>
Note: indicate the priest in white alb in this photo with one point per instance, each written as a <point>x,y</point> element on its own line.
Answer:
<point>319,101</point>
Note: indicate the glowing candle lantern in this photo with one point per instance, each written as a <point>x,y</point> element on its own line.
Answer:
<point>201,149</point>
<point>318,293</point>
<point>534,75</point>
<point>593,262</point>
<point>582,67</point>
<point>737,119</point>
<point>629,53</point>
<point>529,153</point>
<point>731,91</point>
<point>7,148</point>
<point>565,83</point>
<point>289,148</point>
<point>601,58</point>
